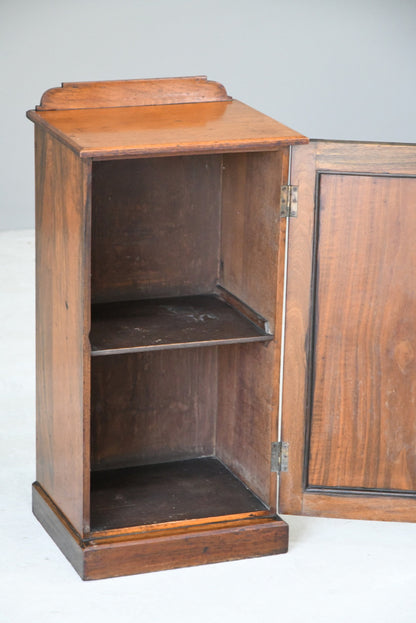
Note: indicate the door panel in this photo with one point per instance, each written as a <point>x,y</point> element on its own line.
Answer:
<point>349,392</point>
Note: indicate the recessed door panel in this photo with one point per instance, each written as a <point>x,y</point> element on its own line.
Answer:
<point>349,393</point>
<point>363,408</point>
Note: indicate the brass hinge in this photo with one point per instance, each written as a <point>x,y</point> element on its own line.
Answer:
<point>280,456</point>
<point>289,201</point>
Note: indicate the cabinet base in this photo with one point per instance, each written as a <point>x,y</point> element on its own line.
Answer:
<point>98,557</point>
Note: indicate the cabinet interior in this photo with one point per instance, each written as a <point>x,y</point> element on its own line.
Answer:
<point>184,262</point>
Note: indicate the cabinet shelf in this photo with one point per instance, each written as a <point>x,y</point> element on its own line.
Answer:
<point>166,492</point>
<point>159,324</point>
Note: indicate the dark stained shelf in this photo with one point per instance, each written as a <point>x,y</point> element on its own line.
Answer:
<point>183,490</point>
<point>157,324</point>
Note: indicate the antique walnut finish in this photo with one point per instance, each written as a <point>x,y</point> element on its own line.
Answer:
<point>63,320</point>
<point>160,288</point>
<point>159,275</point>
<point>350,360</point>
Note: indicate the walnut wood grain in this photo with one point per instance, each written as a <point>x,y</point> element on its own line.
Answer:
<point>247,415</point>
<point>157,324</point>
<point>250,228</point>
<point>153,407</point>
<point>58,527</point>
<point>166,129</point>
<point>363,427</point>
<point>155,227</point>
<point>116,93</point>
<point>375,158</point>
<point>166,492</point>
<point>201,220</point>
<point>350,336</point>
<point>251,245</point>
<point>345,505</point>
<point>229,539</point>
<point>215,543</point>
<point>62,321</point>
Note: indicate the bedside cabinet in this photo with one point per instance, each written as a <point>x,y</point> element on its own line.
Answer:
<point>165,273</point>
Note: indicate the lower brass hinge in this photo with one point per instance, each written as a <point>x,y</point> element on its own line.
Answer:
<point>289,201</point>
<point>280,456</point>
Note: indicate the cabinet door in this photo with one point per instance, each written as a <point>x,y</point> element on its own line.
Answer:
<point>349,390</point>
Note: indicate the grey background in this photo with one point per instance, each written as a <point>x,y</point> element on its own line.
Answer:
<point>330,69</point>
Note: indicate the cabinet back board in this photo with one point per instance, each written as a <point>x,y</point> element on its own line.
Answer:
<point>155,227</point>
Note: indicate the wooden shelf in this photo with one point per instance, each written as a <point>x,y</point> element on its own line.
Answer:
<point>158,324</point>
<point>167,492</point>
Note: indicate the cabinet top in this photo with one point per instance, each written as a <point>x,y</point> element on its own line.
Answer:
<point>149,117</point>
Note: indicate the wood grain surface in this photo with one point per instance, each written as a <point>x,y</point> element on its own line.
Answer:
<point>202,220</point>
<point>116,93</point>
<point>155,227</point>
<point>247,415</point>
<point>250,228</point>
<point>229,538</point>
<point>183,322</point>
<point>363,425</point>
<point>62,324</point>
<point>169,130</point>
<point>215,543</point>
<point>251,246</point>
<point>348,402</point>
<point>153,407</point>
<point>167,492</point>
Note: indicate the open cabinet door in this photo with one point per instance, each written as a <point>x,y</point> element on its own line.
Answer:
<point>349,390</point>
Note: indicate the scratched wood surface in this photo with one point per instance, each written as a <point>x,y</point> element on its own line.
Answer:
<point>166,492</point>
<point>349,391</point>
<point>157,324</point>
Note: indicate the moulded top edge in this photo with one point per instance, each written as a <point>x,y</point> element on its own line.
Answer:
<point>176,128</point>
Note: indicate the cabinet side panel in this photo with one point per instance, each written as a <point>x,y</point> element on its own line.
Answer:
<point>252,269</point>
<point>246,421</point>
<point>62,357</point>
<point>251,228</point>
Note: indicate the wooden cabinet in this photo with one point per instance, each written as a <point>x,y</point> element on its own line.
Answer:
<point>161,255</point>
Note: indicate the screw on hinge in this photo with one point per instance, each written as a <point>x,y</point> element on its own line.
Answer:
<point>280,456</point>
<point>289,201</point>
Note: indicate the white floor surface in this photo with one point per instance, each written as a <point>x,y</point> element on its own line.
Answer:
<point>335,571</point>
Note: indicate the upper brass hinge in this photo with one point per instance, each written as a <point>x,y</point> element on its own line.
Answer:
<point>289,201</point>
<point>280,456</point>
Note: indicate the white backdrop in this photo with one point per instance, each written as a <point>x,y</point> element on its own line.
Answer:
<point>329,69</point>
